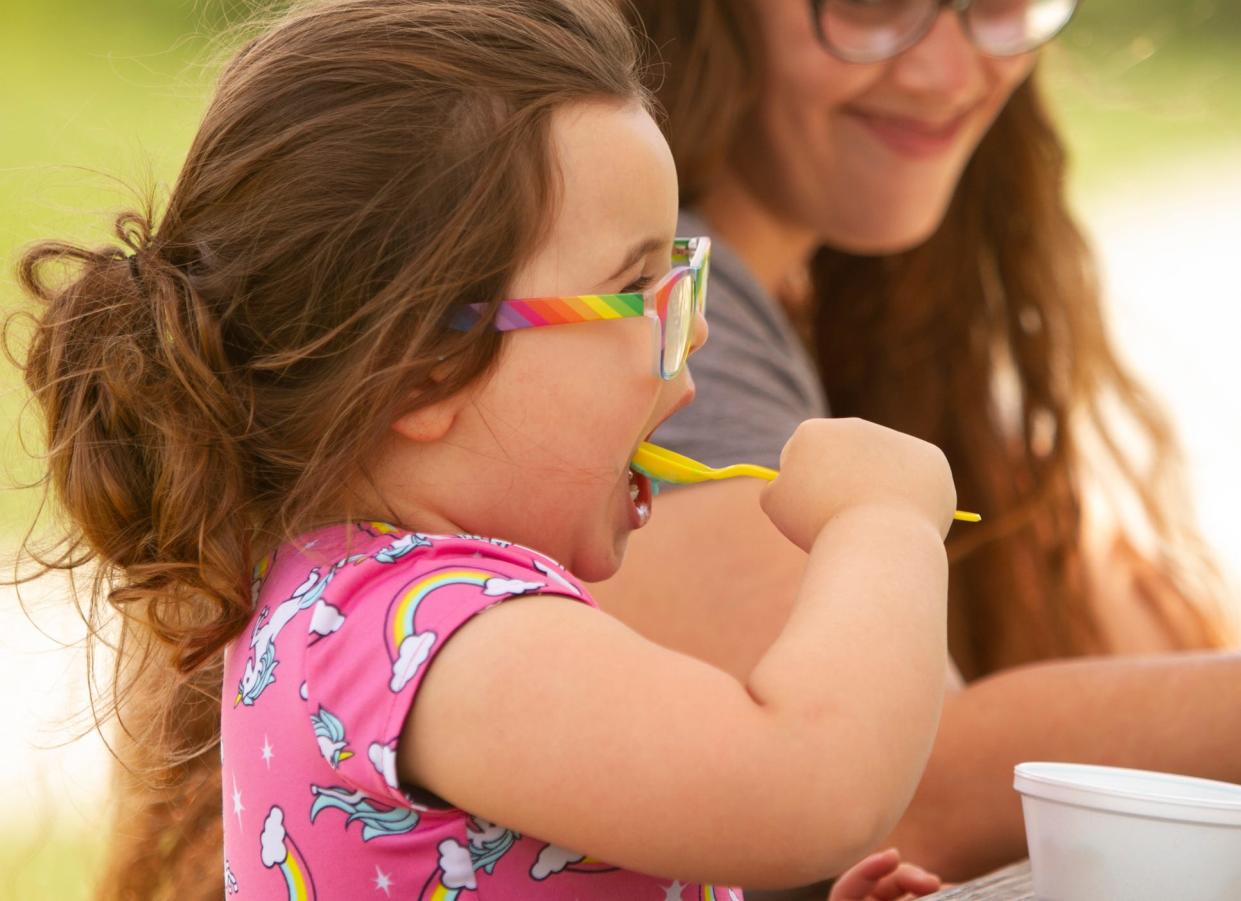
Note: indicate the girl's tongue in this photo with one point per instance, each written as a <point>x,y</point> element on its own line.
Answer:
<point>640,498</point>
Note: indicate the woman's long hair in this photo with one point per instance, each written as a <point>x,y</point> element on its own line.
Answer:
<point>989,341</point>
<point>211,383</point>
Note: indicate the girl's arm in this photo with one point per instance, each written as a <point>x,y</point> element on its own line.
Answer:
<point>564,724</point>
<point>1174,712</point>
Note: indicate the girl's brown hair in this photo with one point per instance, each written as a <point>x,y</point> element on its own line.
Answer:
<point>209,385</point>
<point>987,340</point>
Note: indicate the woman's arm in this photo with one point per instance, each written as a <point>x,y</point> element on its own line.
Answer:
<point>1174,712</point>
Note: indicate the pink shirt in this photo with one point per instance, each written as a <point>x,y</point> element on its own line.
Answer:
<point>316,691</point>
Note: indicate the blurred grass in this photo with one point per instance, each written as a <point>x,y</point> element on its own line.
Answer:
<point>1139,83</point>
<point>52,865</point>
<point>88,96</point>
<point>114,88</point>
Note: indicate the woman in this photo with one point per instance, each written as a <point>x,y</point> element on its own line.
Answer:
<point>885,191</point>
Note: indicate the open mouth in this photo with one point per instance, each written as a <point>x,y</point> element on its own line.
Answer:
<point>640,495</point>
<point>641,489</point>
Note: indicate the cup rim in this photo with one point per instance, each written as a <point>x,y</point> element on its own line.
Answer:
<point>1069,783</point>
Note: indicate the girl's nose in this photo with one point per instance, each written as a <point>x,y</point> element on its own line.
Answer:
<point>944,63</point>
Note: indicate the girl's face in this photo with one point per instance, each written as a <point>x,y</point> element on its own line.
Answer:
<point>866,157</point>
<point>539,452</point>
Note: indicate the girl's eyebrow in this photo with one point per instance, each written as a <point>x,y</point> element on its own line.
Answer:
<point>650,245</point>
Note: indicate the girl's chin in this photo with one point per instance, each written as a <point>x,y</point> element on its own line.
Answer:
<point>599,569</point>
<point>600,563</point>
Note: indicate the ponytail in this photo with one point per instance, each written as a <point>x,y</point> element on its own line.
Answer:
<point>142,414</point>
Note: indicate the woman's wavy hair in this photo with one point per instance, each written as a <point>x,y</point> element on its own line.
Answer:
<point>210,384</point>
<point>989,341</point>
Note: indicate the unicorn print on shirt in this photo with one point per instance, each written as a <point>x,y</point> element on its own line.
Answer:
<point>406,544</point>
<point>488,843</point>
<point>261,665</point>
<point>330,732</point>
<point>377,818</point>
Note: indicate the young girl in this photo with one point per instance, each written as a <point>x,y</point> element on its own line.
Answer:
<point>310,428</point>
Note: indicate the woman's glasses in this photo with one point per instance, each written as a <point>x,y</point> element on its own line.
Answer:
<point>674,302</point>
<point>869,31</point>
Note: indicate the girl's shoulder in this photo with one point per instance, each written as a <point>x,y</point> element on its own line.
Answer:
<point>347,621</point>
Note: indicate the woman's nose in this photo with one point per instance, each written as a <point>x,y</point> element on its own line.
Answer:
<point>944,63</point>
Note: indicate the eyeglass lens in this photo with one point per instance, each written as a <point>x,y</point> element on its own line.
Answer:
<point>873,30</point>
<point>678,325</point>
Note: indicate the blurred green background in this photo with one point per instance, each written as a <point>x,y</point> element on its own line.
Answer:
<point>96,89</point>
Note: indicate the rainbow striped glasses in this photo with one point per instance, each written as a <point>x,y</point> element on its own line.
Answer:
<point>674,302</point>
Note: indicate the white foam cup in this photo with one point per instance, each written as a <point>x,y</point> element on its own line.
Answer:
<point>1098,833</point>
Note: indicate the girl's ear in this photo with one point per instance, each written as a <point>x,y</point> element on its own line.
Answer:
<point>433,421</point>
<point>426,424</point>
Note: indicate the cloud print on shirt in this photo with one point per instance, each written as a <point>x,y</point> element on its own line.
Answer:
<point>552,860</point>
<point>326,619</point>
<point>274,850</point>
<point>457,866</point>
<point>413,653</point>
<point>499,588</point>
<point>383,759</point>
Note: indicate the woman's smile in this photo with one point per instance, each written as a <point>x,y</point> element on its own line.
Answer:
<point>913,137</point>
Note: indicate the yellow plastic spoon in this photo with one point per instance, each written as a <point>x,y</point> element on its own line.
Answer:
<point>663,465</point>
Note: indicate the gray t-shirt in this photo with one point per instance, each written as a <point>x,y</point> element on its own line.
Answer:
<point>756,381</point>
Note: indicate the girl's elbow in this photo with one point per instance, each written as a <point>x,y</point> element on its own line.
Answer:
<point>817,845</point>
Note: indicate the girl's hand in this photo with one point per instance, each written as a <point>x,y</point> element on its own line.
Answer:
<point>882,877</point>
<point>831,465</point>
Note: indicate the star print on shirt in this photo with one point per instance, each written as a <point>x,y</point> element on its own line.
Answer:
<point>268,754</point>
<point>383,881</point>
<point>673,892</point>
<point>238,807</point>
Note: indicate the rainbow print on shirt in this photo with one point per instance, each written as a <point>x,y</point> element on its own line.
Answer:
<point>715,893</point>
<point>259,574</point>
<point>408,648</point>
<point>435,890</point>
<point>280,852</point>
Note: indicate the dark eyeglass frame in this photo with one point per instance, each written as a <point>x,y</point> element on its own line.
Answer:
<point>934,8</point>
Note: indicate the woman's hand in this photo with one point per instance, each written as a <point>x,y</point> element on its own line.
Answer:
<point>882,877</point>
